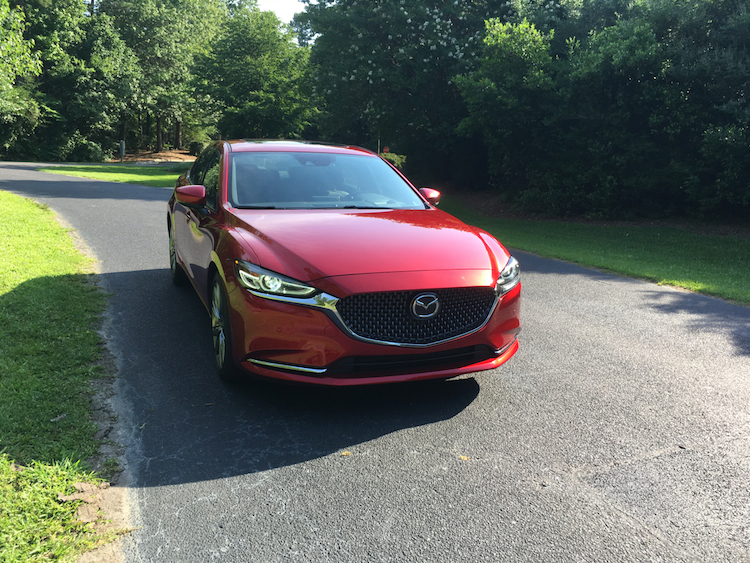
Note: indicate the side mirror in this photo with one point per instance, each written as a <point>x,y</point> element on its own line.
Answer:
<point>432,196</point>
<point>193,195</point>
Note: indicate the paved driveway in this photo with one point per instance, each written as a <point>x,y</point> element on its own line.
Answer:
<point>619,432</point>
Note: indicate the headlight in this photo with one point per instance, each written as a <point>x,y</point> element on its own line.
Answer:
<point>261,281</point>
<point>509,277</point>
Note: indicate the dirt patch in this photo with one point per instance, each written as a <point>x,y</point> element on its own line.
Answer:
<point>164,156</point>
<point>105,508</point>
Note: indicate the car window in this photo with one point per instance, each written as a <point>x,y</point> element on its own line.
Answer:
<point>205,172</point>
<point>199,167</point>
<point>211,179</point>
<point>317,181</point>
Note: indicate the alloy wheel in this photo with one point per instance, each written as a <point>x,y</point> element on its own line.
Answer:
<point>218,325</point>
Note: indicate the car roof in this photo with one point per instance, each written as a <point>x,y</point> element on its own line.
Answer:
<point>282,145</point>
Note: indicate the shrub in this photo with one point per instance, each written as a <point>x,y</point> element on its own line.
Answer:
<point>79,149</point>
<point>196,147</point>
<point>398,160</point>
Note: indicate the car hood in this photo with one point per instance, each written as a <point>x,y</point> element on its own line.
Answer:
<point>309,245</point>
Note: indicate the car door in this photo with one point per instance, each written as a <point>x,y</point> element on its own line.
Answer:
<point>193,224</point>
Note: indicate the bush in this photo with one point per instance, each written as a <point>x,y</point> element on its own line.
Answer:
<point>398,160</point>
<point>641,116</point>
<point>87,151</point>
<point>196,147</point>
<point>79,149</point>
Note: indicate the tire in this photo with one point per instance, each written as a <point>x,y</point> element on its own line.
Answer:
<point>179,277</point>
<point>221,333</point>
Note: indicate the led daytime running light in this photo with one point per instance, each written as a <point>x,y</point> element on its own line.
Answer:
<point>261,281</point>
<point>509,277</point>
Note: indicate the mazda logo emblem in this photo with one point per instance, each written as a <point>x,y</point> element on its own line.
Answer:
<point>425,306</point>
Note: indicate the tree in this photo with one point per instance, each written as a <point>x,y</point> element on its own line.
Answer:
<point>88,77</point>
<point>166,36</point>
<point>17,56</point>
<point>711,64</point>
<point>617,110</point>
<point>256,77</point>
<point>383,70</point>
<point>19,112</point>
<point>509,97</point>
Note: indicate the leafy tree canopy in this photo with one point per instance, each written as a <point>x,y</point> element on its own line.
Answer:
<point>386,66</point>
<point>607,109</point>
<point>17,55</point>
<point>18,110</point>
<point>166,36</point>
<point>256,76</point>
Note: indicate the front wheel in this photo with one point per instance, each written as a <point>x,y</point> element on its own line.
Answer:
<point>221,332</point>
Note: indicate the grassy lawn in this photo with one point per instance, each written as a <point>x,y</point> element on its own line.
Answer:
<point>718,266</point>
<point>48,350</point>
<point>713,265</point>
<point>161,176</point>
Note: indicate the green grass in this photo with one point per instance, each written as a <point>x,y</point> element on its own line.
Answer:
<point>160,176</point>
<point>714,265</point>
<point>35,525</point>
<point>48,350</point>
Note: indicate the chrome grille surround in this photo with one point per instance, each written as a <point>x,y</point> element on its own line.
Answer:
<point>385,318</point>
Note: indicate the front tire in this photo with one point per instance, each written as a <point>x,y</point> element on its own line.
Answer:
<point>221,332</point>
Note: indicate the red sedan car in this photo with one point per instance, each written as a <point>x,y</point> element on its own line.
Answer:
<point>323,264</point>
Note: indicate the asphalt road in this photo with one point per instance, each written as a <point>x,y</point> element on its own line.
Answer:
<point>619,432</point>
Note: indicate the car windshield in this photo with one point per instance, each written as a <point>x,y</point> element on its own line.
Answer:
<point>298,180</point>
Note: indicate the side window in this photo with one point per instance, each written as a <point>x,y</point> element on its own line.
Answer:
<point>199,167</point>
<point>211,181</point>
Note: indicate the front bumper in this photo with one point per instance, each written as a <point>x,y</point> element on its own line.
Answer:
<point>296,343</point>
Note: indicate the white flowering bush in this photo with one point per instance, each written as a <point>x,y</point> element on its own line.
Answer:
<point>384,68</point>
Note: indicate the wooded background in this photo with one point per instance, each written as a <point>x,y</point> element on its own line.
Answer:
<point>568,108</point>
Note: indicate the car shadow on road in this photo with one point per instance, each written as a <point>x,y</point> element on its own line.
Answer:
<point>181,424</point>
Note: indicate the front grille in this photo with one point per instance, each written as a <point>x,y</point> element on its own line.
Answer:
<point>387,317</point>
<point>363,366</point>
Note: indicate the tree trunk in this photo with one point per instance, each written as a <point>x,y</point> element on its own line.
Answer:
<point>148,131</point>
<point>159,135</point>
<point>178,135</point>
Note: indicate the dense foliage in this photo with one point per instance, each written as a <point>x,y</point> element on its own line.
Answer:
<point>76,76</point>
<point>18,109</point>
<point>89,77</point>
<point>165,36</point>
<point>597,108</point>
<point>384,69</point>
<point>639,110</point>
<point>255,78</point>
